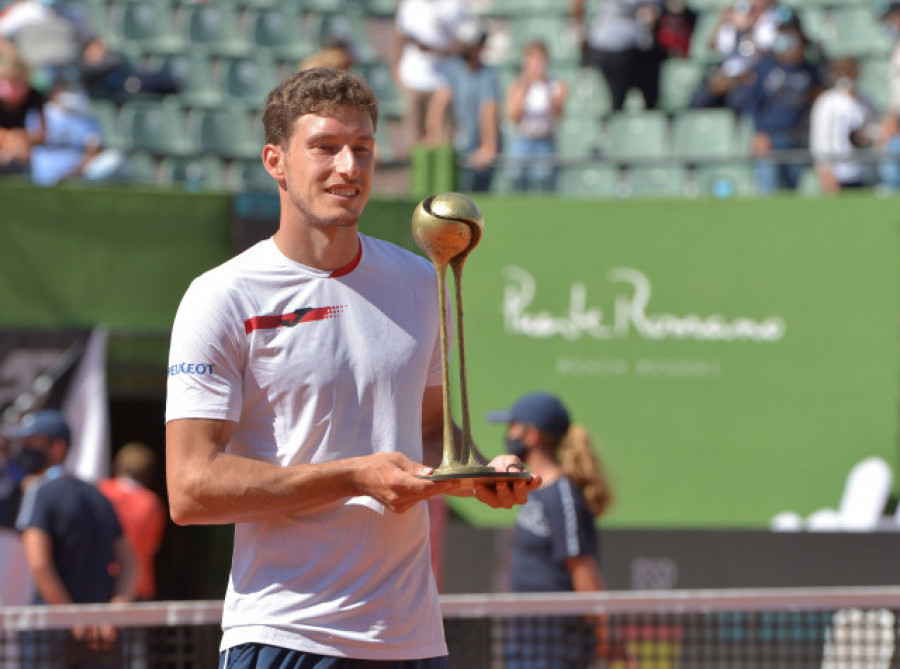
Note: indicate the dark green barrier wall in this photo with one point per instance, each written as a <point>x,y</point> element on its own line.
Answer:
<point>733,358</point>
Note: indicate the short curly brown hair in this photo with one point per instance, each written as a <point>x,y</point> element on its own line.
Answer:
<point>316,90</point>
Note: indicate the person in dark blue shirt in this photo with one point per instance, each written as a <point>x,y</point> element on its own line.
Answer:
<point>785,83</point>
<point>70,535</point>
<point>555,540</point>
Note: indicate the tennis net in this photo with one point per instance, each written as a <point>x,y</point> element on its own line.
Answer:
<point>826,628</point>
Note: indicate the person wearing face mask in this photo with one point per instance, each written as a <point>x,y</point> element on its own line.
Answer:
<point>73,143</point>
<point>555,538</point>
<point>842,121</point>
<point>784,85</point>
<point>70,535</point>
<point>469,95</point>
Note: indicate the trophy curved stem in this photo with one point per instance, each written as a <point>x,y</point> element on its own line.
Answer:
<point>449,459</point>
<point>467,450</point>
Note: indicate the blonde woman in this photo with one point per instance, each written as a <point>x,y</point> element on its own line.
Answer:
<point>554,541</point>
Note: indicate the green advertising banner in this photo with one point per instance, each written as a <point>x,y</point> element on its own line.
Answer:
<point>732,359</point>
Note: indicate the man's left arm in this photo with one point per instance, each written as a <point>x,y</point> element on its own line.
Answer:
<point>499,495</point>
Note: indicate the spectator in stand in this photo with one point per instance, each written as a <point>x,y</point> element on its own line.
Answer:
<point>743,34</point>
<point>785,83</point>
<point>555,539</point>
<point>73,144</point>
<point>71,535</point>
<point>140,510</point>
<point>534,103</point>
<point>621,43</point>
<point>469,99</point>
<point>109,75</point>
<point>19,104</point>
<point>842,122</point>
<point>425,37</point>
<point>889,138</point>
<point>336,52</point>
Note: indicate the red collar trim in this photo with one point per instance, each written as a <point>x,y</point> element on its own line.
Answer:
<point>349,267</point>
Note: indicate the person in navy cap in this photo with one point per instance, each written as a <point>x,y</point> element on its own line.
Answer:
<point>70,535</point>
<point>554,541</point>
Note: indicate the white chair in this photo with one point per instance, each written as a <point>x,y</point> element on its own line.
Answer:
<point>865,495</point>
<point>859,639</point>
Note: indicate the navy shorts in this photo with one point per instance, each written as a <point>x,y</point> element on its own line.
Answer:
<point>262,656</point>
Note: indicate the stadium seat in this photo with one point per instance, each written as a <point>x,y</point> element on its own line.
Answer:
<point>700,51</point>
<point>873,78</point>
<point>248,79</point>
<point>637,136</point>
<point>577,137</point>
<point>250,175</point>
<point>350,26</point>
<point>679,79</point>
<point>699,134</point>
<point>657,181</point>
<point>279,32</point>
<point>226,131</point>
<point>588,93</point>
<point>589,181</point>
<point>149,23</point>
<point>193,173</point>
<point>725,180</point>
<point>390,101</point>
<point>106,114</point>
<point>554,31</point>
<point>140,168</point>
<point>854,31</point>
<point>156,127</point>
<point>193,72</point>
<point>214,27</point>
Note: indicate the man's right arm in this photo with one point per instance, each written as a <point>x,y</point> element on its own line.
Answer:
<point>207,485</point>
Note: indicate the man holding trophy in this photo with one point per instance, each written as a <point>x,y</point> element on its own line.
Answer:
<point>307,405</point>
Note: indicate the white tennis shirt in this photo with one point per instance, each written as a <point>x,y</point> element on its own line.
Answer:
<point>316,366</point>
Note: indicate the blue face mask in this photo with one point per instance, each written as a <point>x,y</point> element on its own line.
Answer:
<point>516,447</point>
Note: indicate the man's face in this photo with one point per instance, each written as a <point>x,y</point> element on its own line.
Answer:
<point>329,164</point>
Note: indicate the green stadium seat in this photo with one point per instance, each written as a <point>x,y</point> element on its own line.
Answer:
<point>250,175</point>
<point>577,137</point>
<point>194,173</point>
<point>248,79</point>
<point>106,113</point>
<point>148,23</point>
<point>873,81</point>
<point>589,181</point>
<point>350,26</point>
<point>658,181</point>
<point>215,27</point>
<point>679,79</point>
<point>554,31</point>
<point>279,32</point>
<point>156,127</point>
<point>588,93</point>
<point>637,136</point>
<point>854,31</point>
<point>380,78</point>
<point>140,168</point>
<point>193,72</point>
<point>699,134</point>
<point>700,51</point>
<point>381,8</point>
<point>227,131</point>
<point>725,180</point>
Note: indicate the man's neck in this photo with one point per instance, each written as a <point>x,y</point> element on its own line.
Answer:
<point>325,248</point>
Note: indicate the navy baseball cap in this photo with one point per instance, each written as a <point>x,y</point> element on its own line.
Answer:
<point>47,422</point>
<point>888,8</point>
<point>543,410</point>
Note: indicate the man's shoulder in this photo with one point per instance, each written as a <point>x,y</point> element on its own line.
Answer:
<point>381,251</point>
<point>224,277</point>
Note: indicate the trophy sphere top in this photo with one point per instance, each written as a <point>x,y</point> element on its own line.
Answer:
<point>447,226</point>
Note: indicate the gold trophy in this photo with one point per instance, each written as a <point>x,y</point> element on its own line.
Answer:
<point>447,227</point>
